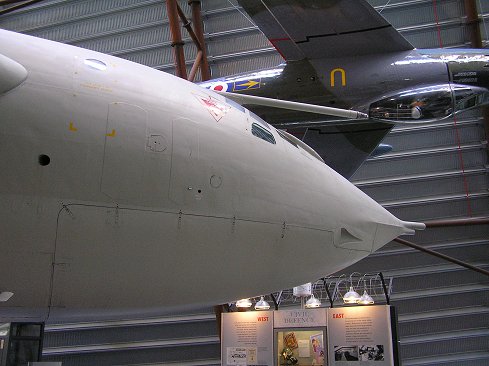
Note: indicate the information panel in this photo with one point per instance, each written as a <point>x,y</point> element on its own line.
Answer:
<point>247,339</point>
<point>360,335</point>
<point>345,336</point>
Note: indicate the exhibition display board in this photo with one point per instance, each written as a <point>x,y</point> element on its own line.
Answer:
<point>247,338</point>
<point>345,336</point>
<point>360,334</point>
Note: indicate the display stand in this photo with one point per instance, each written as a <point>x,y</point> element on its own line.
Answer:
<point>345,336</point>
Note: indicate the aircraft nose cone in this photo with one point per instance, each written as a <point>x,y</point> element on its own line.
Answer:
<point>367,226</point>
<point>12,74</point>
<point>386,232</point>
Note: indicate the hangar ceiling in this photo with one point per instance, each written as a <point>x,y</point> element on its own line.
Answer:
<point>443,309</point>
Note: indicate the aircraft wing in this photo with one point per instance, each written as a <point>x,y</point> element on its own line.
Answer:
<point>314,29</point>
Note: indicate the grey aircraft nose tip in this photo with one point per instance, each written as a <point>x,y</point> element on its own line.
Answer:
<point>387,232</point>
<point>365,225</point>
<point>411,227</point>
<point>12,74</point>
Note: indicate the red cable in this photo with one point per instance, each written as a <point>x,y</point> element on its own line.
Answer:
<point>457,134</point>
<point>437,24</point>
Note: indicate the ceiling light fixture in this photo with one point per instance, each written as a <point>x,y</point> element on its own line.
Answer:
<point>313,302</point>
<point>262,304</point>
<point>243,303</point>
<point>351,297</point>
<point>366,299</point>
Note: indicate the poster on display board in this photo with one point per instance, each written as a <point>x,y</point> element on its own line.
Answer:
<point>360,335</point>
<point>300,336</point>
<point>247,339</point>
<point>301,346</point>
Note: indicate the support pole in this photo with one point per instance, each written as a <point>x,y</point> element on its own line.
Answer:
<point>275,303</point>
<point>384,287</point>
<point>473,23</point>
<point>177,43</point>
<point>9,2</point>
<point>442,256</point>
<point>199,31</point>
<point>187,25</point>
<point>195,67</point>
<point>330,298</point>
<point>458,222</point>
<point>16,7</point>
<point>198,58</point>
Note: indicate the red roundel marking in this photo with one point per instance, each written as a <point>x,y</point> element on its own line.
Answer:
<point>220,87</point>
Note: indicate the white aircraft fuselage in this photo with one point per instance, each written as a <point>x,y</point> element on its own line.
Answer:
<point>124,187</point>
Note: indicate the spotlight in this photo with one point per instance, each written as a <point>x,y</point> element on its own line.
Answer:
<point>262,304</point>
<point>313,302</point>
<point>243,303</point>
<point>351,297</point>
<point>366,299</point>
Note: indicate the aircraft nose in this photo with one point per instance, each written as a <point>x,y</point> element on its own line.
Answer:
<point>12,74</point>
<point>386,232</point>
<point>367,226</point>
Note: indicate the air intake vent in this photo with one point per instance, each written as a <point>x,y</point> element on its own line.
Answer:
<point>347,237</point>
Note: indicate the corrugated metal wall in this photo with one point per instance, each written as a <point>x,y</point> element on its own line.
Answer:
<point>444,310</point>
<point>138,30</point>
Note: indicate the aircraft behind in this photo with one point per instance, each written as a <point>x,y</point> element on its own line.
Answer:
<point>344,54</point>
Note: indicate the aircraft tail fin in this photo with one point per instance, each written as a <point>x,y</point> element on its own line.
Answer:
<point>355,141</point>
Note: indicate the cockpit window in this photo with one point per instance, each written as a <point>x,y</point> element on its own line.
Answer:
<point>95,64</point>
<point>259,120</point>
<point>262,133</point>
<point>294,141</point>
<point>428,103</point>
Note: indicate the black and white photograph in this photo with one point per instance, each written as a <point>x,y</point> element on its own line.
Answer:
<point>346,353</point>
<point>371,352</point>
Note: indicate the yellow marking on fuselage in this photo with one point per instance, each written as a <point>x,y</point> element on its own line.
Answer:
<point>72,127</point>
<point>333,74</point>
<point>112,134</point>
<point>96,86</point>
<point>249,84</point>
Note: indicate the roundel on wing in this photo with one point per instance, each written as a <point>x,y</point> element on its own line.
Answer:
<point>220,86</point>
